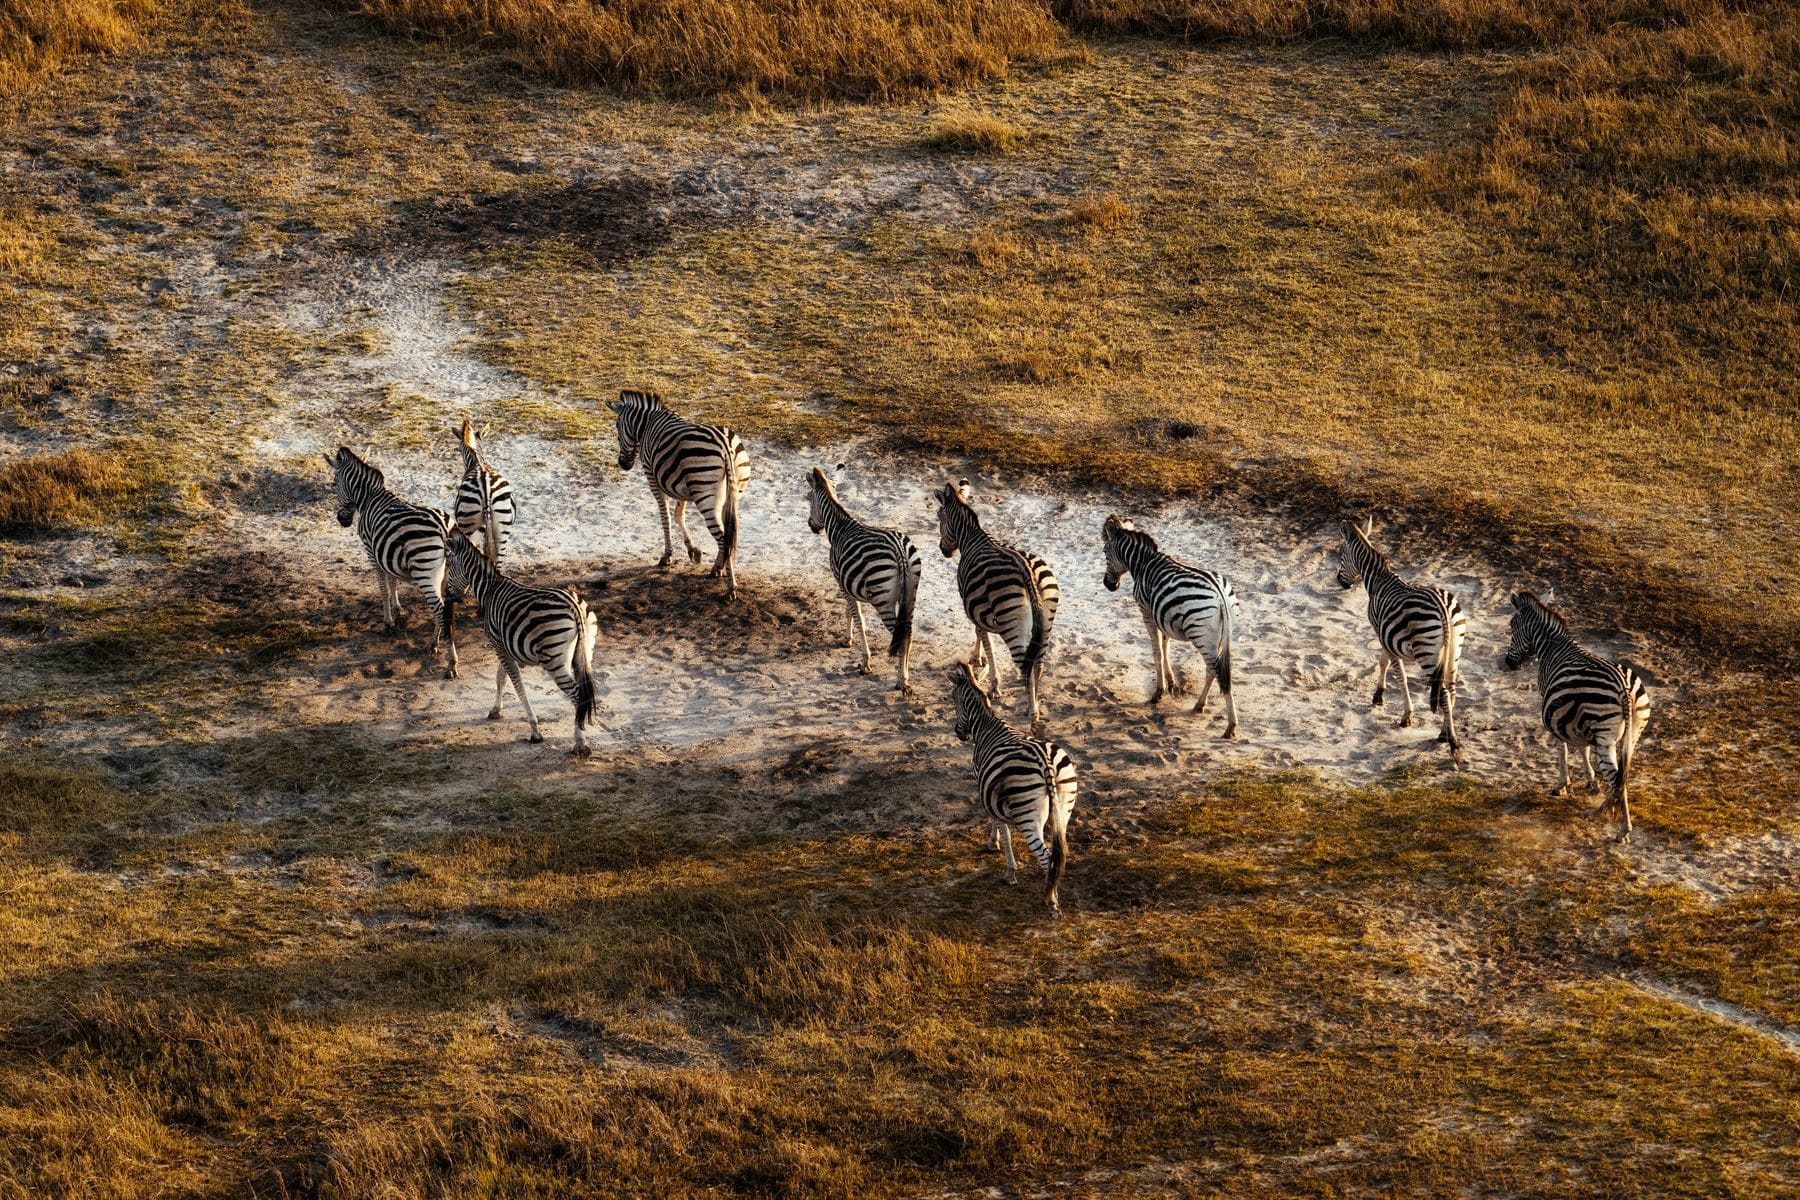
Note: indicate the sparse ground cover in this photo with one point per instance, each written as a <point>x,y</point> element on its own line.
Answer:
<point>271,929</point>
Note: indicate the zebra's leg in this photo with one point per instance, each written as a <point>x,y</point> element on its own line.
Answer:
<point>1004,833</point>
<point>1381,670</point>
<point>1607,762</point>
<point>662,506</point>
<point>1176,685</point>
<point>1157,650</point>
<point>693,551</point>
<point>1034,842</point>
<point>859,629</point>
<point>518,682</point>
<point>1587,757</point>
<point>390,599</point>
<point>993,663</point>
<point>1406,718</point>
<point>499,686</point>
<point>1033,681</point>
<point>1562,788</point>
<point>1447,734</point>
<point>1211,663</point>
<point>565,682</point>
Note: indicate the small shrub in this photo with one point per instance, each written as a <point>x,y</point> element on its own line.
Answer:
<point>1098,211</point>
<point>55,493</point>
<point>971,131</point>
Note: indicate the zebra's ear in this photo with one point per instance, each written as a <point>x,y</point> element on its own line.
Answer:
<point>330,462</point>
<point>1549,596</point>
<point>1369,526</point>
<point>612,405</point>
<point>485,429</point>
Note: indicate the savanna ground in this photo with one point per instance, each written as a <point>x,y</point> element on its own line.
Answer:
<point>274,924</point>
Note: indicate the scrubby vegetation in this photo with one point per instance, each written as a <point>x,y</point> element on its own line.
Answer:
<point>961,129</point>
<point>48,493</point>
<point>37,36</point>
<point>859,48</point>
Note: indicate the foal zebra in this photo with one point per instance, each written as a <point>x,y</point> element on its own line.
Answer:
<point>1589,702</point>
<point>403,541</point>
<point>1004,590</point>
<point>703,465</point>
<point>1027,784</point>
<point>547,627</point>
<point>484,498</point>
<point>1176,600</point>
<point>1423,624</point>
<point>877,567</point>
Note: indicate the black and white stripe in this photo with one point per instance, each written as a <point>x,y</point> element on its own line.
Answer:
<point>1027,784</point>
<point>546,627</point>
<point>403,541</point>
<point>1005,591</point>
<point>1175,600</point>
<point>484,498</point>
<point>877,567</point>
<point>1594,705</point>
<point>1423,624</point>
<point>703,465</point>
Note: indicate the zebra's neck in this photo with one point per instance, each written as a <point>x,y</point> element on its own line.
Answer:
<point>472,464</point>
<point>967,530</point>
<point>838,520</point>
<point>1137,553</point>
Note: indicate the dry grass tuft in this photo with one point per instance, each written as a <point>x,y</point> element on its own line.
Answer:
<point>818,48</point>
<point>53,493</point>
<point>963,130</point>
<point>1096,212</point>
<point>37,36</point>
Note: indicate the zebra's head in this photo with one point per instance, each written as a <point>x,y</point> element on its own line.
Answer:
<point>1355,551</point>
<point>1124,542</point>
<point>1533,621</point>
<point>970,703</point>
<point>821,496</point>
<point>954,516</point>
<point>352,478</point>
<point>459,564</point>
<point>631,408</point>
<point>471,444</point>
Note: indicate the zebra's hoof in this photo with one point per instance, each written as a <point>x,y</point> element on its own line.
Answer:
<point>1230,734</point>
<point>1010,880</point>
<point>450,673</point>
<point>1155,698</point>
<point>494,713</point>
<point>665,561</point>
<point>1444,737</point>
<point>865,669</point>
<point>1557,793</point>
<point>582,752</point>
<point>1405,722</point>
<point>535,738</point>
<point>694,556</point>
<point>1379,700</point>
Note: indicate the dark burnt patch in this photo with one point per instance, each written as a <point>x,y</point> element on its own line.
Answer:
<point>603,222</point>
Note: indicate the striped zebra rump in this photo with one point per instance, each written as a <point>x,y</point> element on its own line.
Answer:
<point>1422,625</point>
<point>707,466</point>
<point>551,628</point>
<point>1027,784</point>
<point>484,497</point>
<point>1588,702</point>
<point>402,541</point>
<point>1176,600</point>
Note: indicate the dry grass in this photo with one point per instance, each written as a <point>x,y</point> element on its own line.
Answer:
<point>964,130</point>
<point>1099,211</point>
<point>40,36</point>
<point>837,48</point>
<point>57,493</point>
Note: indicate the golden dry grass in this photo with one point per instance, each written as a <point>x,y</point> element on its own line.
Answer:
<point>39,36</point>
<point>965,130</point>
<point>46,493</point>
<point>854,48</point>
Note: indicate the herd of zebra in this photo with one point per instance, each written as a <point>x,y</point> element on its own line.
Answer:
<point>1027,784</point>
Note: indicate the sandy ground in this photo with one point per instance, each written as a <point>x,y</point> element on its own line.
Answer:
<point>686,672</point>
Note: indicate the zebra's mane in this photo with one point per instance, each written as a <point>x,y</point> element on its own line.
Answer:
<point>1532,601</point>
<point>962,676</point>
<point>643,399</point>
<point>1352,528</point>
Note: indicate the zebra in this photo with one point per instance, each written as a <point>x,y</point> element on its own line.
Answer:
<point>484,498</point>
<point>1005,590</point>
<point>1589,702</point>
<point>402,540</point>
<point>877,567</point>
<point>703,465</point>
<point>1027,784</point>
<point>1423,624</point>
<point>549,627</point>
<point>1175,600</point>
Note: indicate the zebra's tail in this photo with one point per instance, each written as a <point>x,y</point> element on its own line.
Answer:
<point>1059,848</point>
<point>1225,643</point>
<point>728,548</point>
<point>490,537</point>
<point>1034,649</point>
<point>1443,674</point>
<point>1628,737</point>
<point>909,595</point>
<point>584,667</point>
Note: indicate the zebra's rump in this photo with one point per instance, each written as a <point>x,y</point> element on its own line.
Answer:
<point>1412,622</point>
<point>479,495</point>
<point>403,538</point>
<point>997,588</point>
<point>1018,777</point>
<point>538,626</point>
<point>693,462</point>
<point>1588,700</point>
<point>873,565</point>
<point>1186,602</point>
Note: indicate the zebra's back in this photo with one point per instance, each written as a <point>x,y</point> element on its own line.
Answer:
<point>689,461</point>
<point>401,538</point>
<point>1186,602</point>
<point>1590,700</point>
